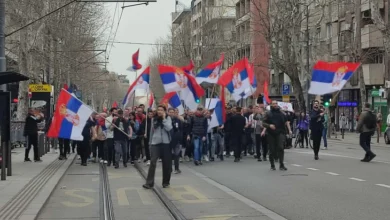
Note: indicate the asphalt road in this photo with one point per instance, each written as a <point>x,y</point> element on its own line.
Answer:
<point>338,186</point>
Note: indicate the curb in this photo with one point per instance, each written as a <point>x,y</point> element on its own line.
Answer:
<point>34,208</point>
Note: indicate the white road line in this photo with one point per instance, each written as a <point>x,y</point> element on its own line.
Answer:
<point>311,168</point>
<point>337,155</point>
<point>333,174</point>
<point>357,179</point>
<point>296,165</point>
<point>383,185</point>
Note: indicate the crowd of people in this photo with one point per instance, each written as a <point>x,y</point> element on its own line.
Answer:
<point>139,135</point>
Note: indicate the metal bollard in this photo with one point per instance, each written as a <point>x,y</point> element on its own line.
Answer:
<point>40,144</point>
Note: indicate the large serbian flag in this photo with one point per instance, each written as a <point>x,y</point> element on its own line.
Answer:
<point>142,82</point>
<point>211,72</point>
<point>330,77</point>
<point>135,64</point>
<point>238,77</point>
<point>69,118</point>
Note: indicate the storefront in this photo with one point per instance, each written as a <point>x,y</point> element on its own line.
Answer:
<point>379,104</point>
<point>348,103</point>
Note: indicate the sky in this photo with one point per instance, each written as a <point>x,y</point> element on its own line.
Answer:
<point>139,24</point>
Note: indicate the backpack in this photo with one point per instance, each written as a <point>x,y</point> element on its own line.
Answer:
<point>370,120</point>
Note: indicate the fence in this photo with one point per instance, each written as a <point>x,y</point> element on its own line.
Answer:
<point>16,132</point>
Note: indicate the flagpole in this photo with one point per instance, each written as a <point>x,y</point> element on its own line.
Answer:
<point>136,76</point>
<point>146,116</point>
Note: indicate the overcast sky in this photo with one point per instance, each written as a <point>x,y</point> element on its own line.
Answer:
<point>139,24</point>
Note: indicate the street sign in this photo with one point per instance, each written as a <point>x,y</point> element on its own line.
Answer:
<point>286,89</point>
<point>286,98</point>
<point>39,88</point>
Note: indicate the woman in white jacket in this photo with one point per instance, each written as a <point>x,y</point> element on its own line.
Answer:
<point>343,122</point>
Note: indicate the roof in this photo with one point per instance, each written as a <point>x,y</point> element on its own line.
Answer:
<point>11,77</point>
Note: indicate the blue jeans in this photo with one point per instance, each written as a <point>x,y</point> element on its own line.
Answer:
<point>198,145</point>
<point>324,132</point>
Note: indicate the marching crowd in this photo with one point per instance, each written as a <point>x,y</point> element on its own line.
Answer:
<point>136,135</point>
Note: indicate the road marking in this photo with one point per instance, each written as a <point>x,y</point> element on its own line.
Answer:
<point>216,217</point>
<point>333,174</point>
<point>124,201</point>
<point>186,194</point>
<point>337,155</point>
<point>272,215</point>
<point>86,201</point>
<point>357,179</point>
<point>296,165</point>
<point>311,168</point>
<point>383,185</point>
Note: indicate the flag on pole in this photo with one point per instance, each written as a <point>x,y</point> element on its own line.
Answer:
<point>172,100</point>
<point>151,101</point>
<point>142,82</point>
<point>266,93</point>
<point>330,77</point>
<point>69,118</point>
<point>238,77</point>
<point>135,64</point>
<point>211,72</point>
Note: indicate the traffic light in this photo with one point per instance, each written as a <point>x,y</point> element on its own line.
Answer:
<point>327,99</point>
<point>197,100</point>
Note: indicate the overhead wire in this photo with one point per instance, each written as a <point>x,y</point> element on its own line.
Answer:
<point>112,27</point>
<point>116,31</point>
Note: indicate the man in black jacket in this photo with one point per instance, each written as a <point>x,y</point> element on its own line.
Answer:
<point>31,133</point>
<point>238,123</point>
<point>316,127</point>
<point>276,122</point>
<point>227,127</point>
<point>176,137</point>
<point>146,126</point>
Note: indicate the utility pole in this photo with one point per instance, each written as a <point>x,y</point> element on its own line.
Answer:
<point>358,50</point>
<point>307,59</point>
<point>3,63</point>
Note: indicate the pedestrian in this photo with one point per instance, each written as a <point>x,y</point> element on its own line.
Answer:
<point>238,123</point>
<point>325,130</point>
<point>227,127</point>
<point>198,129</point>
<point>84,147</point>
<point>160,148</point>
<point>379,126</point>
<point>303,127</point>
<point>176,138</point>
<point>110,156</point>
<point>64,147</point>
<point>316,127</point>
<point>276,122</point>
<point>122,132</point>
<point>366,127</point>
<point>146,126</point>
<point>140,132</point>
<point>260,138</point>
<point>31,132</point>
<point>343,121</point>
<point>101,138</point>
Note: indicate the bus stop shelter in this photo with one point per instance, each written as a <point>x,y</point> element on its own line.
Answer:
<point>5,122</point>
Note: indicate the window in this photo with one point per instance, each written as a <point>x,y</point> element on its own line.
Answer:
<point>318,34</point>
<point>329,30</point>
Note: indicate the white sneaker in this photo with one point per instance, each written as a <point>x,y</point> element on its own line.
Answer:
<point>186,158</point>
<point>101,161</point>
<point>105,162</point>
<point>159,160</point>
<point>206,158</point>
<point>148,163</point>
<point>139,161</point>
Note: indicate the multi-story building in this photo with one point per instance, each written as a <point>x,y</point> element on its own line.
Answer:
<point>181,37</point>
<point>250,38</point>
<point>335,38</point>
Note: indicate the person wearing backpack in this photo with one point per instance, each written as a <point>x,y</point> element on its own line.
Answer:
<point>366,127</point>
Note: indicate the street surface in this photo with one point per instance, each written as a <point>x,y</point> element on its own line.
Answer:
<point>338,186</point>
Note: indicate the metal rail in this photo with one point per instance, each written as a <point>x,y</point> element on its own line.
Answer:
<point>107,207</point>
<point>173,210</point>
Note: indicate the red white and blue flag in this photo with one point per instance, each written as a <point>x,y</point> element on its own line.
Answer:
<point>219,114</point>
<point>190,68</point>
<point>330,77</point>
<point>238,77</point>
<point>69,118</point>
<point>142,82</point>
<point>135,64</point>
<point>211,72</point>
<point>151,101</point>
<point>173,101</point>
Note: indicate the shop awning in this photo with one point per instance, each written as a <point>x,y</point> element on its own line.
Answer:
<point>11,77</point>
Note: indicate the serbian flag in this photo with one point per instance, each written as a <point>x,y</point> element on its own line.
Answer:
<point>172,100</point>
<point>247,92</point>
<point>190,69</point>
<point>135,64</point>
<point>151,101</point>
<point>266,98</point>
<point>238,77</point>
<point>330,77</point>
<point>211,72</point>
<point>142,82</point>
<point>219,115</point>
<point>69,118</point>
<point>191,93</point>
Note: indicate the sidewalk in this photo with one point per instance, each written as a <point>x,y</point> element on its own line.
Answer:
<point>21,195</point>
<point>353,138</point>
<point>198,197</point>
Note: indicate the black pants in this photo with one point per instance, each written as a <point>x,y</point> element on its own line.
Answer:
<point>248,141</point>
<point>316,137</point>
<point>98,149</point>
<point>303,134</point>
<point>189,145</point>
<point>64,146</point>
<point>365,142</point>
<point>140,147</point>
<point>276,146</point>
<point>228,142</point>
<point>176,155</point>
<point>147,149</point>
<point>32,140</point>
<point>133,149</point>
<point>74,146</point>
<point>84,150</point>
<point>261,146</point>
<point>236,139</point>
<point>110,156</point>
<point>164,152</point>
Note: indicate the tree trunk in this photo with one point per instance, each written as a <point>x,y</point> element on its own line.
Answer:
<point>23,68</point>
